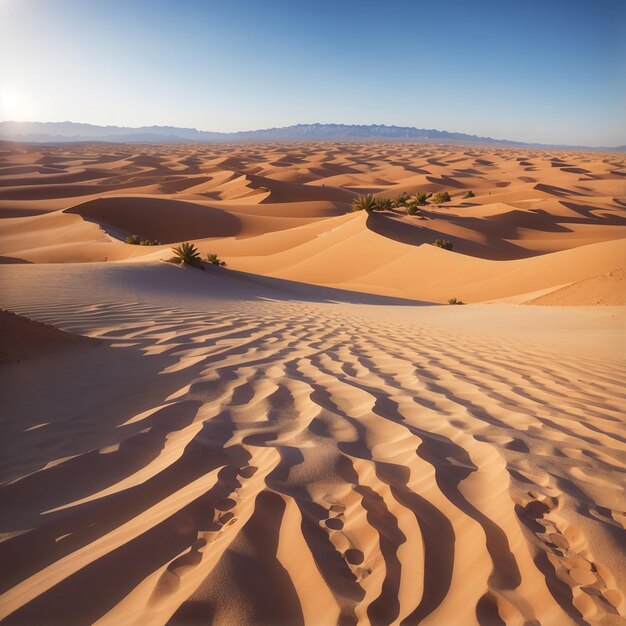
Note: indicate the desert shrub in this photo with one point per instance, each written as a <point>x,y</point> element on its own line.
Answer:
<point>455,301</point>
<point>384,204</point>
<point>402,199</point>
<point>412,209</point>
<point>365,203</point>
<point>136,240</point>
<point>421,197</point>
<point>438,198</point>
<point>188,254</point>
<point>469,194</point>
<point>446,244</point>
<point>214,259</point>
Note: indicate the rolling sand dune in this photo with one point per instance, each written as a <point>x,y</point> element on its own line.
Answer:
<point>304,436</point>
<point>275,212</point>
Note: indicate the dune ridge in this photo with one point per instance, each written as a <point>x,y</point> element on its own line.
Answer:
<point>283,210</point>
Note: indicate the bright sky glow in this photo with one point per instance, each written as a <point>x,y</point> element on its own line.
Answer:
<point>549,71</point>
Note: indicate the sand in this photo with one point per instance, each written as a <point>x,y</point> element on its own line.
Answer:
<point>551,219</point>
<point>307,436</point>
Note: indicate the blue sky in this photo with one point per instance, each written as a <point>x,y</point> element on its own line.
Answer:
<point>551,71</point>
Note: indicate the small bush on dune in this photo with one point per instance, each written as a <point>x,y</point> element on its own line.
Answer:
<point>186,253</point>
<point>136,240</point>
<point>421,197</point>
<point>365,203</point>
<point>402,199</point>
<point>384,204</point>
<point>439,198</point>
<point>469,194</point>
<point>455,301</point>
<point>412,209</point>
<point>215,260</point>
<point>446,244</point>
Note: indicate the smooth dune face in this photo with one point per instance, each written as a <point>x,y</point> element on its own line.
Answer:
<point>302,437</point>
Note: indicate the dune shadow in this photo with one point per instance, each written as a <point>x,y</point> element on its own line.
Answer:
<point>557,191</point>
<point>587,211</point>
<point>164,219</point>
<point>496,247</point>
<point>13,260</point>
<point>256,286</point>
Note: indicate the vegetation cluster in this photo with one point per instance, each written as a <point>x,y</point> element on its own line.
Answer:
<point>136,240</point>
<point>409,203</point>
<point>187,253</point>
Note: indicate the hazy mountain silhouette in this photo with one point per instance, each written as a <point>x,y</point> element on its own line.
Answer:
<point>61,132</point>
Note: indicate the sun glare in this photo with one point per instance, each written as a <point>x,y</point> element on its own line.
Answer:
<point>16,105</point>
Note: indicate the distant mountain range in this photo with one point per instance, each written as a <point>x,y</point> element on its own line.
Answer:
<point>63,132</point>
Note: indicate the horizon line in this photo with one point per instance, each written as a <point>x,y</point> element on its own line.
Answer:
<point>253,130</point>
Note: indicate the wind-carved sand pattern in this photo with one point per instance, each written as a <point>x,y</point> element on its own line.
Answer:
<point>296,462</point>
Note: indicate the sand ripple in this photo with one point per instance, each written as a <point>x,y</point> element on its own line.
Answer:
<point>290,463</point>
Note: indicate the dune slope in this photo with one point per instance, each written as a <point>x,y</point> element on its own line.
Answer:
<point>304,461</point>
<point>305,436</point>
<point>284,211</point>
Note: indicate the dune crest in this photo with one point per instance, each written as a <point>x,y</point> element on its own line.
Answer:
<point>283,210</point>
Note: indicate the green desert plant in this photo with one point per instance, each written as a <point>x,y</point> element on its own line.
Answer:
<point>402,199</point>
<point>455,301</point>
<point>136,240</point>
<point>384,204</point>
<point>438,198</point>
<point>365,203</point>
<point>186,253</point>
<point>412,209</point>
<point>469,194</point>
<point>421,197</point>
<point>446,244</point>
<point>214,259</point>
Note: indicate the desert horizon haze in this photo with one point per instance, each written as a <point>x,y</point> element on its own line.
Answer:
<point>313,374</point>
<point>57,132</point>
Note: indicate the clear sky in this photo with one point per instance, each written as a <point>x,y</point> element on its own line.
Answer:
<point>551,71</point>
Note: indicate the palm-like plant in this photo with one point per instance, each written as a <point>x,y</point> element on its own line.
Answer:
<point>469,194</point>
<point>384,204</point>
<point>421,197</point>
<point>214,259</point>
<point>136,240</point>
<point>402,199</point>
<point>365,203</point>
<point>441,197</point>
<point>187,253</point>
<point>446,244</point>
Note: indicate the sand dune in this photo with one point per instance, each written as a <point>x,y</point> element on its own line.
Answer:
<point>304,436</point>
<point>274,211</point>
<point>302,461</point>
